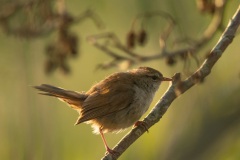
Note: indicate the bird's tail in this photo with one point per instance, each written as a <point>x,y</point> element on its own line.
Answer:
<point>74,99</point>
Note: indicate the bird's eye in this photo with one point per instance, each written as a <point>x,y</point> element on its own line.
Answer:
<point>154,77</point>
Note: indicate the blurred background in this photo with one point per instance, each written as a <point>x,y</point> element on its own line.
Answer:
<point>203,123</point>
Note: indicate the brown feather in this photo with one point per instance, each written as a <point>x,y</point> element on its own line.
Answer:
<point>104,99</point>
<point>74,99</point>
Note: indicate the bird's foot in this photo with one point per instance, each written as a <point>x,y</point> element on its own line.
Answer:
<point>110,151</point>
<point>141,123</point>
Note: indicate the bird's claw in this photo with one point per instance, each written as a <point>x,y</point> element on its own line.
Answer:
<point>141,123</point>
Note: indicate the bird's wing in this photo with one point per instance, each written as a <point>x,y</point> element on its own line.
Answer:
<point>105,101</point>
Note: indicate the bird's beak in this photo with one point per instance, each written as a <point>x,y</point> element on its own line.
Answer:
<point>166,79</point>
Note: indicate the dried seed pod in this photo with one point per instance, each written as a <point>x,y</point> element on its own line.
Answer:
<point>142,37</point>
<point>50,66</point>
<point>170,61</point>
<point>65,68</point>
<point>184,56</point>
<point>201,5</point>
<point>73,42</point>
<point>131,37</point>
<point>49,50</point>
<point>206,6</point>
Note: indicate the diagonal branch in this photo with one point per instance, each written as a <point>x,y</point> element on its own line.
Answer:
<point>178,87</point>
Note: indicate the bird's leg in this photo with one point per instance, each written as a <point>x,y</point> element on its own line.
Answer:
<point>105,143</point>
<point>141,123</point>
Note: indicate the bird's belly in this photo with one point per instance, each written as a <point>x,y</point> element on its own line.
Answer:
<point>118,121</point>
<point>115,122</point>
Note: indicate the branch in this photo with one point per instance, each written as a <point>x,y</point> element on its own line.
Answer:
<point>178,87</point>
<point>135,58</point>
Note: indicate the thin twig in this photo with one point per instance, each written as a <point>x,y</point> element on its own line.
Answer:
<point>208,34</point>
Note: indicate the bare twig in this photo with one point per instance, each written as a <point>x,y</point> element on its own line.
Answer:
<point>178,87</point>
<point>193,48</point>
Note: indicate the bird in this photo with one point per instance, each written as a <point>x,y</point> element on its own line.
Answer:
<point>113,104</point>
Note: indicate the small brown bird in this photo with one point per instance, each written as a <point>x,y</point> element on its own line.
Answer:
<point>115,103</point>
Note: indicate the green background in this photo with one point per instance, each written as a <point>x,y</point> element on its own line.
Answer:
<point>201,124</point>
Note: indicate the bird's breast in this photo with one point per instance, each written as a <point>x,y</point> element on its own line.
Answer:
<point>142,100</point>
